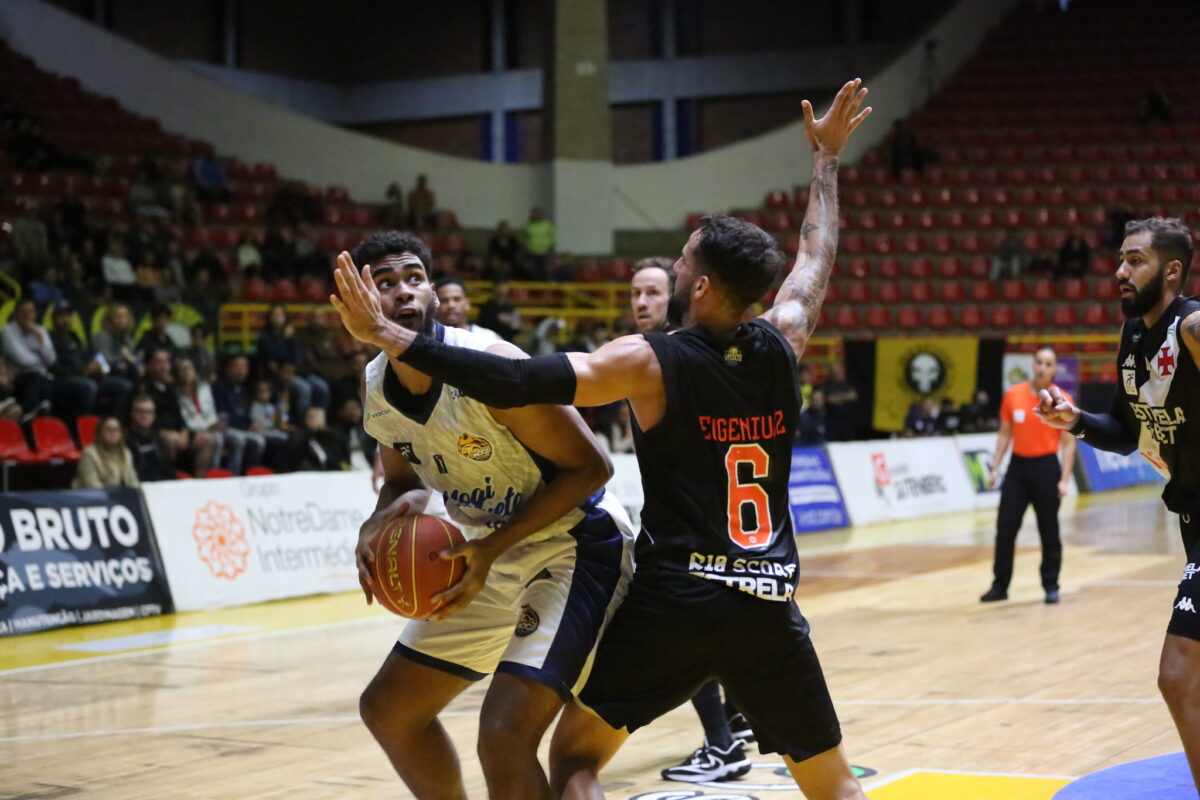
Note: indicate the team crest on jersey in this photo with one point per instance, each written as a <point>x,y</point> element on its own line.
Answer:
<point>475,448</point>
<point>1164,362</point>
<point>406,449</point>
<point>528,622</point>
<point>733,355</point>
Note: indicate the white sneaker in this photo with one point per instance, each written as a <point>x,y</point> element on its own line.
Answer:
<point>710,763</point>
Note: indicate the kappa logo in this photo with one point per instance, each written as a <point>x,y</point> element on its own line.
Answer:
<point>1185,605</point>
<point>528,622</point>
<point>1129,361</point>
<point>475,448</point>
<point>221,540</point>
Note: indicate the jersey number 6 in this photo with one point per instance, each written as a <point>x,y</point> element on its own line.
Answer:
<point>742,493</point>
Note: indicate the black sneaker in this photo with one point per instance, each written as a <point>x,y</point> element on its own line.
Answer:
<point>710,764</point>
<point>993,594</point>
<point>739,728</point>
<point>1052,596</point>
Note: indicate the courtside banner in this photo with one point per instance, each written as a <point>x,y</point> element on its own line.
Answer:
<point>77,557</point>
<point>889,479</point>
<point>245,540</point>
<point>977,451</point>
<point>813,492</point>
<point>1103,471</point>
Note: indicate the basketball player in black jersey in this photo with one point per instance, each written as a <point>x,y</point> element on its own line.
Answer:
<point>716,410</point>
<point>1156,409</point>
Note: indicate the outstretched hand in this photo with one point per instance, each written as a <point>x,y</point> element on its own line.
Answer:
<point>828,134</point>
<point>359,305</point>
<point>1055,410</point>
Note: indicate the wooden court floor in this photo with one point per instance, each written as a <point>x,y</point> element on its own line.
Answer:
<point>940,696</point>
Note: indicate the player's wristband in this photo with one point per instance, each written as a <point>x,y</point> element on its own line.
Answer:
<point>1104,432</point>
<point>494,380</point>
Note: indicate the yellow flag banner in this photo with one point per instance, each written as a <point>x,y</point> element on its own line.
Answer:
<point>908,371</point>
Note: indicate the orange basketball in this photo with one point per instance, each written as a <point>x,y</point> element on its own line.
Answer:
<point>408,571</point>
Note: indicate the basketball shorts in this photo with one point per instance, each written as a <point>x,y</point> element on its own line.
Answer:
<point>542,609</point>
<point>1185,616</point>
<point>664,644</point>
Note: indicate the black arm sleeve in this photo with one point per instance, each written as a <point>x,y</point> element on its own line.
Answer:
<point>494,380</point>
<point>1107,431</point>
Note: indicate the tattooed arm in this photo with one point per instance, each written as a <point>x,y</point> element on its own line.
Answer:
<point>798,302</point>
<point>1191,334</point>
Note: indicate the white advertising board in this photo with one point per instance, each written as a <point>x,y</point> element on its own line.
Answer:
<point>891,479</point>
<point>246,540</point>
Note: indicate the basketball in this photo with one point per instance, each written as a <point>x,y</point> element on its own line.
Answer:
<point>408,570</point>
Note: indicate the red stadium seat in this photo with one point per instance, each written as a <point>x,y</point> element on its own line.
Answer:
<point>859,268</point>
<point>972,318</point>
<point>85,427</point>
<point>889,292</point>
<point>889,268</point>
<point>313,291</point>
<point>781,221</point>
<point>52,439</point>
<point>1033,317</point>
<point>337,194</point>
<point>941,319</point>
<point>1003,317</point>
<point>260,470</point>
<point>1097,316</point>
<point>1044,290</point>
<point>1194,286</point>
<point>920,292</point>
<point>285,291</point>
<point>620,270</point>
<point>180,475</point>
<point>1108,290</point>
<point>858,292</point>
<point>776,200</point>
<point>953,292</point>
<point>983,292</point>
<point>910,318</point>
<point>256,291</point>
<point>14,448</point>
<point>217,472</point>
<point>833,294</point>
<point>1064,317</point>
<point>362,217</point>
<point>950,267</point>
<point>1104,265</point>
<point>1075,289</point>
<point>979,267</point>
<point>879,318</point>
<point>845,318</point>
<point>912,243</point>
<point>693,220</point>
<point>1012,291</point>
<point>921,268</point>
<point>854,244</point>
<point>883,243</point>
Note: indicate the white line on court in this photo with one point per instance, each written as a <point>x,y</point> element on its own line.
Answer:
<point>1025,701</point>
<point>205,726</point>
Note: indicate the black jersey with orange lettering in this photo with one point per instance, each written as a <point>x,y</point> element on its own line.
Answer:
<point>715,469</point>
<point>1160,399</point>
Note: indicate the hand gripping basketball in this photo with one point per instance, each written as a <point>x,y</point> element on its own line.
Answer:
<point>409,570</point>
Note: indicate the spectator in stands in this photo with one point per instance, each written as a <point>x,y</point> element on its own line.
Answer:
<point>1010,255</point>
<point>309,260</point>
<point>118,272</point>
<point>949,419</point>
<point>316,448</point>
<point>148,193</point>
<point>922,418</point>
<point>616,432</point>
<point>68,218</point>
<point>277,348</point>
<point>198,449</point>
<point>421,205</point>
<point>10,409</point>
<point>74,284</point>
<point>979,416</point>
<point>590,336</point>
<point>499,314</point>
<point>811,431</point>
<point>1114,228</point>
<point>905,151</point>
<point>206,290</point>
<point>201,353</point>
<point>268,415</point>
<point>151,454</point>
<point>650,294</point>
<point>1156,106</point>
<point>232,445</point>
<point>44,289</point>
<point>249,260</point>
<point>233,394</point>
<point>392,212</point>
<point>318,345</point>
<point>841,406</point>
<point>1074,257</point>
<point>28,347</point>
<point>504,254</point>
<point>454,308</point>
<point>107,461</point>
<point>348,427</point>
<point>208,179</point>
<point>804,381</point>
<point>76,371</point>
<point>156,336</point>
<point>539,243</point>
<point>348,383</point>
<point>31,239</point>
<point>114,345</point>
<point>278,252</point>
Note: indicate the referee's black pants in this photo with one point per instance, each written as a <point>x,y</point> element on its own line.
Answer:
<point>1029,480</point>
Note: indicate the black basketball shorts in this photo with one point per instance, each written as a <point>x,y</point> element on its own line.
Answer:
<point>1185,617</point>
<point>665,642</point>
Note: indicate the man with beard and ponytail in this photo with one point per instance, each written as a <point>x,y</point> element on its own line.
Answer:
<point>1156,410</point>
<point>716,409</point>
<point>549,552</point>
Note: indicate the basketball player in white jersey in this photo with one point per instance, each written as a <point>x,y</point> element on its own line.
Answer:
<point>547,558</point>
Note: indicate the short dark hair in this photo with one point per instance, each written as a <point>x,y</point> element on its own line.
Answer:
<point>160,310</point>
<point>741,257</point>
<point>450,282</point>
<point>1047,349</point>
<point>382,244</point>
<point>658,262</point>
<point>1169,238</point>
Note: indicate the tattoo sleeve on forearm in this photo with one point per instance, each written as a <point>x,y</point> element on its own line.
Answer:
<point>806,284</point>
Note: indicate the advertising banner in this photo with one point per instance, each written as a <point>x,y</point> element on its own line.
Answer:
<point>813,492</point>
<point>891,479</point>
<point>1103,470</point>
<point>77,557</point>
<point>1018,368</point>
<point>246,540</point>
<point>977,450</point>
<point>908,371</point>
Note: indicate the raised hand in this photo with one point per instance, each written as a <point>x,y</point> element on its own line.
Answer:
<point>359,305</point>
<point>828,134</point>
<point>1055,410</point>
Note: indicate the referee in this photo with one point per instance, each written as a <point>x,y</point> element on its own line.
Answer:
<point>1034,476</point>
